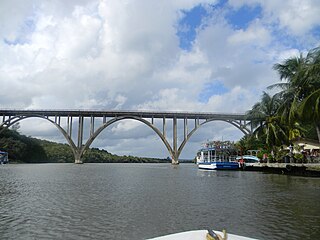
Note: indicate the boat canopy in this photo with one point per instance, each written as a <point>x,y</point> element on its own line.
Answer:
<point>248,158</point>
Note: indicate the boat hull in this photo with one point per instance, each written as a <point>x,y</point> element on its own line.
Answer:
<point>198,235</point>
<point>4,157</point>
<point>219,166</point>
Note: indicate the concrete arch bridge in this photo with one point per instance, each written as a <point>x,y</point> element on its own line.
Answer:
<point>71,124</point>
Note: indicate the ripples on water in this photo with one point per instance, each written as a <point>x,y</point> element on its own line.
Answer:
<point>139,201</point>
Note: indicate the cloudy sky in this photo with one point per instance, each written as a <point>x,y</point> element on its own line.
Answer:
<point>170,55</point>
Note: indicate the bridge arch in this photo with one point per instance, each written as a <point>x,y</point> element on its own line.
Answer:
<point>243,129</point>
<point>117,119</point>
<point>238,125</point>
<point>13,120</point>
<point>79,151</point>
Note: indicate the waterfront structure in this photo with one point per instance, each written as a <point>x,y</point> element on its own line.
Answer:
<point>69,120</point>
<point>217,151</point>
<point>217,155</point>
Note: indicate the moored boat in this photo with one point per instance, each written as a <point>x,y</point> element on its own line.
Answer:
<point>3,157</point>
<point>217,155</point>
<point>247,160</point>
<point>219,166</point>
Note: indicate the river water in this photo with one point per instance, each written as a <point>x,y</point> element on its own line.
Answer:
<point>139,201</point>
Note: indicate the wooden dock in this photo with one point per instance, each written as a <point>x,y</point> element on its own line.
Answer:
<point>295,169</point>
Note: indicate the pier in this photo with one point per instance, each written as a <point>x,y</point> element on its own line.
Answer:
<point>296,169</point>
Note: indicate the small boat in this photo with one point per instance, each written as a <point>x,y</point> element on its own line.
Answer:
<point>3,157</point>
<point>247,160</point>
<point>202,235</point>
<point>217,155</point>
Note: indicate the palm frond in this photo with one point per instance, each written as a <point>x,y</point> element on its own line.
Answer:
<point>278,85</point>
<point>310,106</point>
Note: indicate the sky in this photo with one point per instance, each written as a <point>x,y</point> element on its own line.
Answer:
<point>178,55</point>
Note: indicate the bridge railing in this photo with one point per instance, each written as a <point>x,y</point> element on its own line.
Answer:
<point>112,113</point>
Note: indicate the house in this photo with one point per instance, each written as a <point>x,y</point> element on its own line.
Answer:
<point>309,148</point>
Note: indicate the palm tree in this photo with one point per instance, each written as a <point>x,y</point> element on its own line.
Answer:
<point>267,121</point>
<point>310,110</point>
<point>291,70</point>
<point>302,75</point>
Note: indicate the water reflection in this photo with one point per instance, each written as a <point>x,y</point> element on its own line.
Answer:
<point>138,201</point>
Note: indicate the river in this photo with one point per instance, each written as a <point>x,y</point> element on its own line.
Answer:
<point>139,201</point>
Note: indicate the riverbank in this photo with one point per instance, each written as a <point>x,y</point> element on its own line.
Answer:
<point>294,169</point>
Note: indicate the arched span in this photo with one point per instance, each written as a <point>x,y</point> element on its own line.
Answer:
<point>116,119</point>
<point>9,122</point>
<point>201,124</point>
<point>242,129</point>
<point>16,119</point>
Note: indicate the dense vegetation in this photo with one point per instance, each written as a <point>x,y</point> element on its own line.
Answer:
<point>32,150</point>
<point>292,112</point>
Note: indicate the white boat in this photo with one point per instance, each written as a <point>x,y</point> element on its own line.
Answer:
<point>3,157</point>
<point>202,235</point>
<point>248,160</point>
<point>217,155</point>
<point>218,165</point>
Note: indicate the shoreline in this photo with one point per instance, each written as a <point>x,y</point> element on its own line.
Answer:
<point>292,169</point>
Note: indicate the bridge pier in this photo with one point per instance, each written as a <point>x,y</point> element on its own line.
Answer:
<point>175,158</point>
<point>174,161</point>
<point>77,155</point>
<point>78,161</point>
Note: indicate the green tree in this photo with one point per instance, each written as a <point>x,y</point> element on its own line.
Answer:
<point>310,110</point>
<point>267,122</point>
<point>15,127</point>
<point>302,76</point>
<point>249,142</point>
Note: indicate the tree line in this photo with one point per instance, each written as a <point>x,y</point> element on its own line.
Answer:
<point>25,149</point>
<point>293,111</point>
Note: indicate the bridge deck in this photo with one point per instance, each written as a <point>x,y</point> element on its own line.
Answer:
<point>144,114</point>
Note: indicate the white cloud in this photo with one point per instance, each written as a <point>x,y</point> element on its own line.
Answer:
<point>235,101</point>
<point>285,54</point>
<point>299,17</point>
<point>126,55</point>
<point>237,57</point>
<point>255,35</point>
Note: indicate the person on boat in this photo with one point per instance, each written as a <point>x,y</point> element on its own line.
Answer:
<point>265,158</point>
<point>241,162</point>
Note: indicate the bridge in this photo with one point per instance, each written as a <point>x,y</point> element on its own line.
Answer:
<point>71,124</point>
